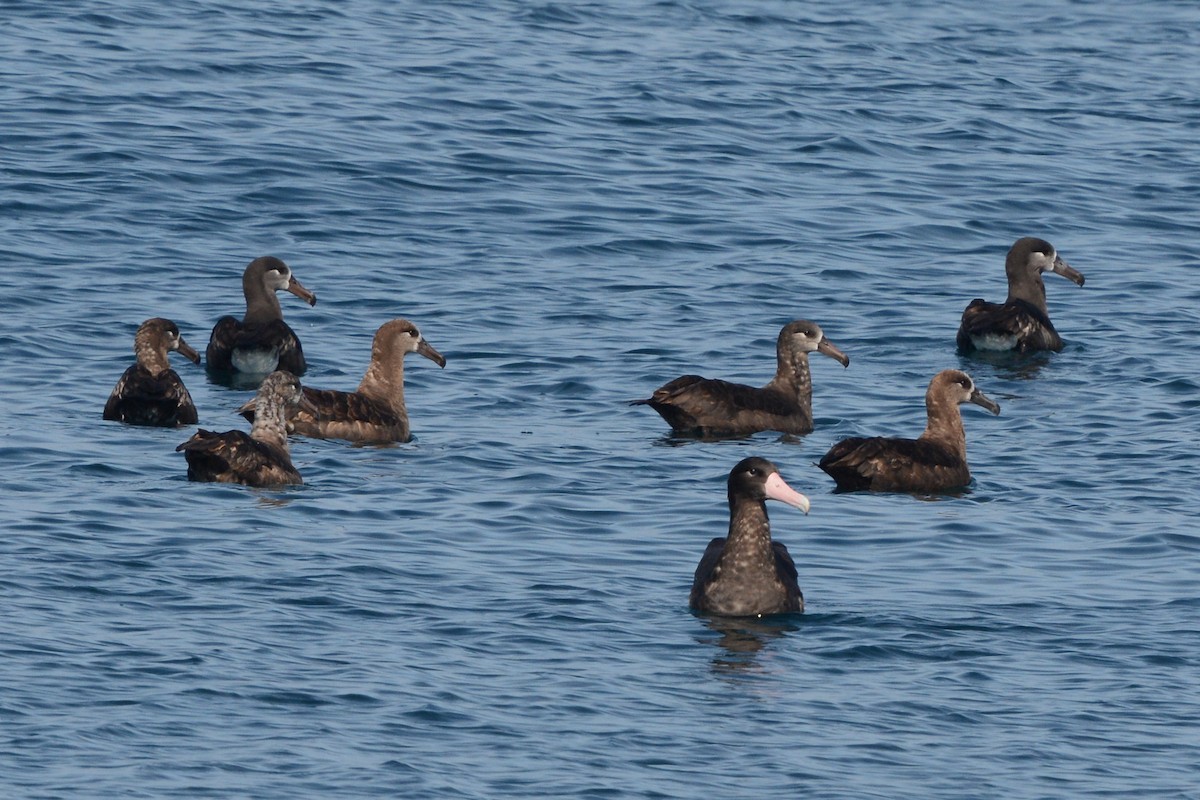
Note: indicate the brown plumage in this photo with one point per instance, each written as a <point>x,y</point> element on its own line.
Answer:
<point>1021,322</point>
<point>261,458</point>
<point>710,407</point>
<point>261,341</point>
<point>375,412</point>
<point>746,573</point>
<point>150,392</point>
<point>934,462</point>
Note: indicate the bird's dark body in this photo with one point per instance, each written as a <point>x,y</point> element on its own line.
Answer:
<point>234,457</point>
<point>143,398</point>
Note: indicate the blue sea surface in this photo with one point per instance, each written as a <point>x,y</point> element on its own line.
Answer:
<point>577,202</point>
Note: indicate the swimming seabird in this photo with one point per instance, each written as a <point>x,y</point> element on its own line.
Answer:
<point>745,573</point>
<point>261,341</point>
<point>711,407</point>
<point>260,458</point>
<point>150,392</point>
<point>1021,322</point>
<point>375,412</point>
<point>935,461</point>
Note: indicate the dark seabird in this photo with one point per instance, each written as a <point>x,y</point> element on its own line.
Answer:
<point>260,458</point>
<point>150,392</point>
<point>375,412</point>
<point>261,341</point>
<point>1021,322</point>
<point>709,407</point>
<point>745,574</point>
<point>934,462</point>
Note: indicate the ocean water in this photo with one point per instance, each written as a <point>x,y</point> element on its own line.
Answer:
<point>577,202</point>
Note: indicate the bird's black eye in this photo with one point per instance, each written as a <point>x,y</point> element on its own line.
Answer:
<point>755,471</point>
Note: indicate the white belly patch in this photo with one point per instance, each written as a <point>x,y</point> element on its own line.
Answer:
<point>994,341</point>
<point>255,361</point>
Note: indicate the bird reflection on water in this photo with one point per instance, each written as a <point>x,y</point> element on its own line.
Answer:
<point>740,639</point>
<point>1009,365</point>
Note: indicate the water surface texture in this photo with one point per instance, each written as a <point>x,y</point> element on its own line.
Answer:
<point>577,202</point>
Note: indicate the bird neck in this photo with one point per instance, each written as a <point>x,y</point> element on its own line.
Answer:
<point>1028,288</point>
<point>384,378</point>
<point>270,421</point>
<point>262,306</point>
<point>749,529</point>
<point>151,353</point>
<point>945,426</point>
<point>792,375</point>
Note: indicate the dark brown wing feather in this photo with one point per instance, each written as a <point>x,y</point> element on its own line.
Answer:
<point>704,571</point>
<point>1029,328</point>
<point>345,415</point>
<point>785,569</point>
<point>350,415</point>
<point>711,407</point>
<point>220,343</point>
<point>894,465</point>
<point>141,398</point>
<point>234,457</point>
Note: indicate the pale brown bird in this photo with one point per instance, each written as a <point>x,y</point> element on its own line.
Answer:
<point>150,392</point>
<point>260,458</point>
<point>935,461</point>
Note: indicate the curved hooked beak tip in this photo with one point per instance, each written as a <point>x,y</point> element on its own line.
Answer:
<point>428,350</point>
<point>778,490</point>
<point>187,351</point>
<point>297,288</point>
<point>980,399</point>
<point>1067,271</point>
<point>828,348</point>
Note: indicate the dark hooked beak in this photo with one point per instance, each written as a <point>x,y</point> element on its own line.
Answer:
<point>297,288</point>
<point>187,351</point>
<point>1067,271</point>
<point>427,350</point>
<point>827,347</point>
<point>980,399</point>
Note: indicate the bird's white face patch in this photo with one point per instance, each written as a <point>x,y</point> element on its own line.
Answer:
<point>1042,261</point>
<point>806,342</point>
<point>278,280</point>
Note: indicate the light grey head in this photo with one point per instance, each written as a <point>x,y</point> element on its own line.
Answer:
<point>1031,255</point>
<point>958,387</point>
<point>155,338</point>
<point>272,275</point>
<point>804,336</point>
<point>400,335</point>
